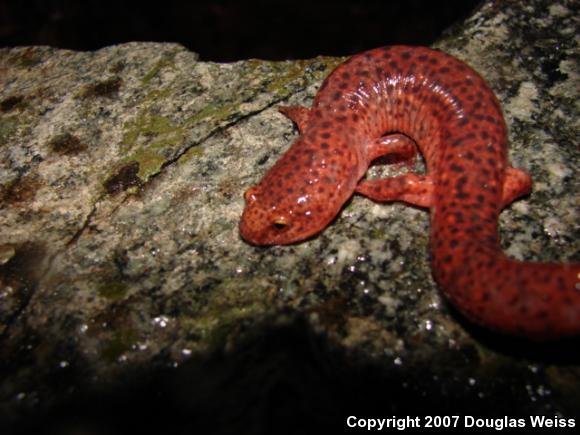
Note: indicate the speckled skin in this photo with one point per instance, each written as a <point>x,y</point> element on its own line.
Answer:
<point>444,107</point>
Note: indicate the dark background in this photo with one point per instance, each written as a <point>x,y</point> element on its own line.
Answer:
<point>230,30</point>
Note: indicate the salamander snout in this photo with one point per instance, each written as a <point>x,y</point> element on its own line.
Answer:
<point>280,221</point>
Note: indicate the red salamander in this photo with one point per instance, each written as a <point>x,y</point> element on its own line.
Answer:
<point>390,101</point>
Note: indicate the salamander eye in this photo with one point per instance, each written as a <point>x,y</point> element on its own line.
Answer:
<point>251,195</point>
<point>280,223</point>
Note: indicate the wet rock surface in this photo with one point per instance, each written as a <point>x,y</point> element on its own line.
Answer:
<point>129,298</point>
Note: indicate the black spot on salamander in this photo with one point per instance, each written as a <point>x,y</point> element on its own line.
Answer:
<point>456,168</point>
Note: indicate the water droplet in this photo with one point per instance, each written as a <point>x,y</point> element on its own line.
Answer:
<point>543,391</point>
<point>161,321</point>
<point>6,291</point>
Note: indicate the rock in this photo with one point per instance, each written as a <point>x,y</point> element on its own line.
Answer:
<point>125,281</point>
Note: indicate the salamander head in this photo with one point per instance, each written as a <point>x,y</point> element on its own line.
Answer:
<point>298,197</point>
<point>283,220</point>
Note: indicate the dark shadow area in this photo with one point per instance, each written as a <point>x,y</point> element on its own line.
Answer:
<point>282,379</point>
<point>564,351</point>
<point>230,30</point>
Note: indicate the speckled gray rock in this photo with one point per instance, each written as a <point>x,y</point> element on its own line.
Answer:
<point>122,173</point>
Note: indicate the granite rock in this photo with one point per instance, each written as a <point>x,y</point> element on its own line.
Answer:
<point>121,181</point>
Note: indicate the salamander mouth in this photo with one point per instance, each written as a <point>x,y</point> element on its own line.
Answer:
<point>262,234</point>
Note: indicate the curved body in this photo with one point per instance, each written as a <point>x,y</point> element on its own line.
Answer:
<point>386,101</point>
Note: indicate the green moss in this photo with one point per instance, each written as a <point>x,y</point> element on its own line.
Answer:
<point>150,161</point>
<point>119,344</point>
<point>377,233</point>
<point>167,62</point>
<point>217,112</point>
<point>158,94</point>
<point>230,303</point>
<point>113,290</point>
<point>7,128</point>
<point>300,72</point>
<point>192,153</point>
<point>147,125</point>
<point>145,139</point>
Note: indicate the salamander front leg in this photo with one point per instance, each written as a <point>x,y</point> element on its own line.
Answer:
<point>298,114</point>
<point>410,188</point>
<point>517,183</point>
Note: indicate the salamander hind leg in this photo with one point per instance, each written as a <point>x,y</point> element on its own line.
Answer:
<point>410,188</point>
<point>298,114</point>
<point>517,183</point>
<point>398,146</point>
